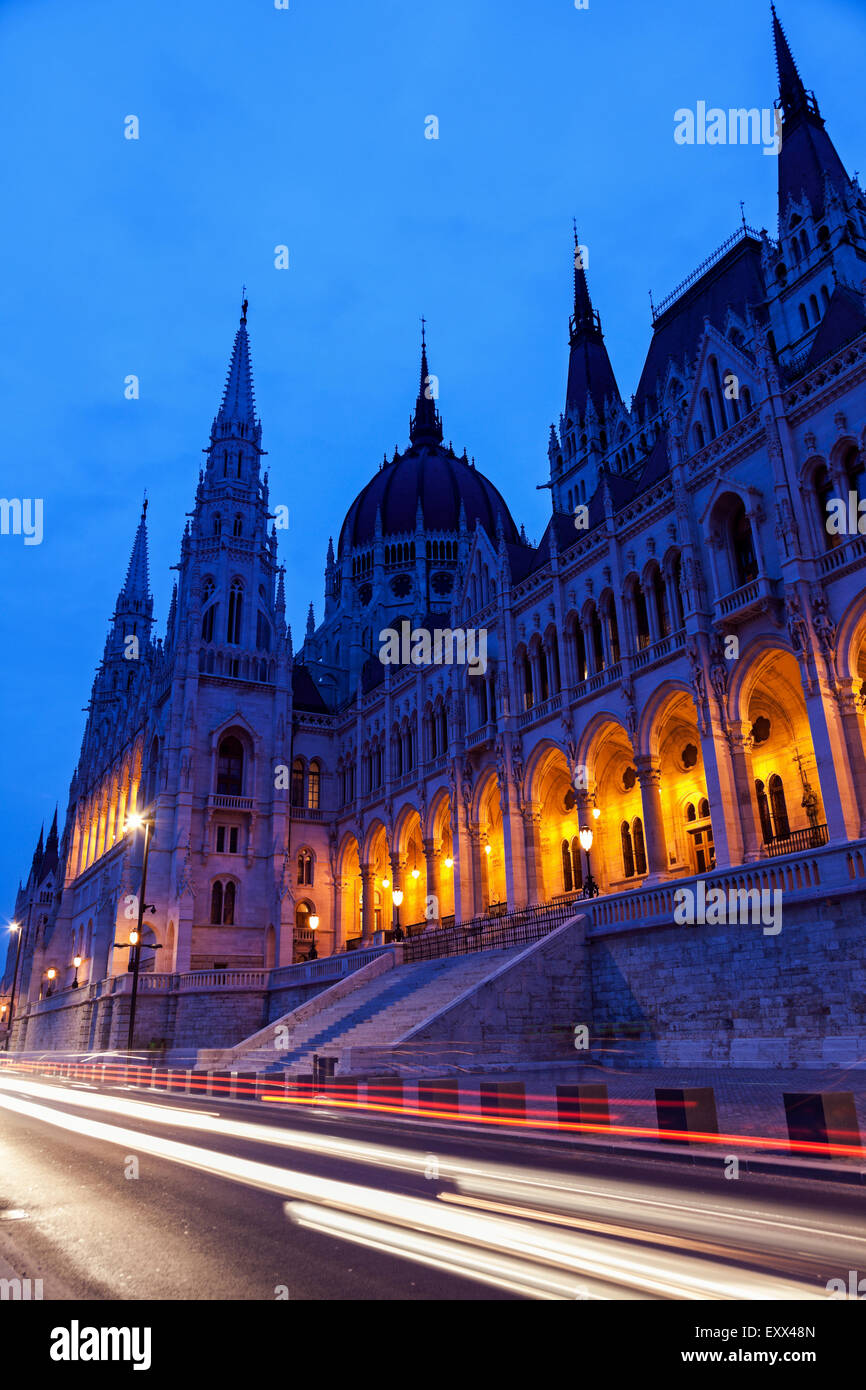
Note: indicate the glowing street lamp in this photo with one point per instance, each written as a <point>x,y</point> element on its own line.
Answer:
<point>397,898</point>
<point>136,821</point>
<point>590,888</point>
<point>16,927</point>
<point>449,862</point>
<point>76,961</point>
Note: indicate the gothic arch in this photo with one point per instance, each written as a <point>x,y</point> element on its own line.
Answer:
<point>850,637</point>
<point>654,712</point>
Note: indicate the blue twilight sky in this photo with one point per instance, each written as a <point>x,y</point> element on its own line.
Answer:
<point>305,127</point>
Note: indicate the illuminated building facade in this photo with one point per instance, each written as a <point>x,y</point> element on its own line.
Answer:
<point>682,652</point>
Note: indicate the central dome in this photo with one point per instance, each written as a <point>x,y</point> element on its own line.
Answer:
<point>430,475</point>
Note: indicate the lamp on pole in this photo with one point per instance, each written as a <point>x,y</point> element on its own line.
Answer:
<point>135,822</point>
<point>16,927</point>
<point>76,961</point>
<point>590,888</point>
<point>397,898</point>
<point>314,922</point>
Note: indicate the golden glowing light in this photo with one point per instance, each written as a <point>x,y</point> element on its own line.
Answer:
<point>76,961</point>
<point>52,973</point>
<point>487,849</point>
<point>416,873</point>
<point>596,812</point>
<point>386,883</point>
<point>397,896</point>
<point>585,837</point>
<point>314,922</point>
<point>449,862</point>
<point>134,821</point>
<point>133,938</point>
<point>14,926</point>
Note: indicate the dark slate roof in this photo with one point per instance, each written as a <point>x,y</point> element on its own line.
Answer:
<point>807,156</point>
<point>589,375</point>
<point>844,320</point>
<point>657,465</point>
<point>305,693</point>
<point>734,280</point>
<point>438,479</point>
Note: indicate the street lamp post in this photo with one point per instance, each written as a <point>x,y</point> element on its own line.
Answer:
<point>16,927</point>
<point>590,888</point>
<point>314,922</point>
<point>134,822</point>
<point>76,961</point>
<point>397,899</point>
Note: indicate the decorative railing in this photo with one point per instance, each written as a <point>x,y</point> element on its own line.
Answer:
<point>220,802</point>
<point>741,234</point>
<point>494,931</point>
<point>542,711</point>
<point>812,837</point>
<point>850,551</point>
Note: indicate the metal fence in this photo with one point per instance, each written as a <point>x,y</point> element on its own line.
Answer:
<point>491,933</point>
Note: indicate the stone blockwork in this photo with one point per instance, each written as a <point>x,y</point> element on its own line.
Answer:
<point>705,995</point>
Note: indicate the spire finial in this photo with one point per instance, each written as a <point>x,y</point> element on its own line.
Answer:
<point>425,427</point>
<point>244,303</point>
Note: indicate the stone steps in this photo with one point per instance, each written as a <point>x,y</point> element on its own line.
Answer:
<point>380,1011</point>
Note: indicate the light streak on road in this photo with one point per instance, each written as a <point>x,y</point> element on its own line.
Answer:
<point>521,1221</point>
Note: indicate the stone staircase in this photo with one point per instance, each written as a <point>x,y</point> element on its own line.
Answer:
<point>379,1011</point>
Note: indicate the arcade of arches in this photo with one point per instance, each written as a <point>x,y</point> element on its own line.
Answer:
<point>678,797</point>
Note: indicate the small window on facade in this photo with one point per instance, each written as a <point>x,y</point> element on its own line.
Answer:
<point>221,839</point>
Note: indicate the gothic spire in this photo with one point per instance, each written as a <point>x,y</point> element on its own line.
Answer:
<point>590,376</point>
<point>808,160</point>
<point>792,93</point>
<point>426,424</point>
<point>237,412</point>
<point>136,589</point>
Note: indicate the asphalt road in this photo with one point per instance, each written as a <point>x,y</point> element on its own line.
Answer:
<point>108,1195</point>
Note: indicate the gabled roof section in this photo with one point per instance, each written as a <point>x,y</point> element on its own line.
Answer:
<point>732,280</point>
<point>844,320</point>
<point>305,693</point>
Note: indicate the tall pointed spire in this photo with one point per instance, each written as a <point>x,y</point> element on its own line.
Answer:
<point>808,160</point>
<point>137,585</point>
<point>792,93</point>
<point>237,412</point>
<point>590,376</point>
<point>426,424</point>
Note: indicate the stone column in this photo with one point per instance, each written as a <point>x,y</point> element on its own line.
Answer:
<point>432,859</point>
<point>649,777</point>
<point>834,770</point>
<point>532,852</point>
<point>368,909</point>
<point>516,856</point>
<point>464,882</point>
<point>477,860</point>
<point>723,794</point>
<point>340,887</point>
<point>852,706</point>
<point>744,783</point>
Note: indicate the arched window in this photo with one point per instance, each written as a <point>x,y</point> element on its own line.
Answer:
<point>230,768</point>
<point>639,846</point>
<point>742,546</point>
<point>813,305</point>
<point>690,812</point>
<point>297,796</point>
<point>703,809</point>
<point>207,622</point>
<point>661,601</point>
<point>233,628</point>
<point>641,618</point>
<point>216,903</point>
<point>825,296</point>
<point>217,525</point>
<point>855,471</point>
<point>627,852</point>
<point>779,808</point>
<point>804,319</point>
<point>305,866</point>
<point>229,905</point>
<point>314,780</point>
<point>238,526</point>
<point>576,865</point>
<point>528,698</point>
<point>764,811</point>
<point>567,877</point>
<point>263,632</point>
<point>825,491</point>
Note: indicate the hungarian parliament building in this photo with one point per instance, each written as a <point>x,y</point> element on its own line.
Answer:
<point>676,667</point>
